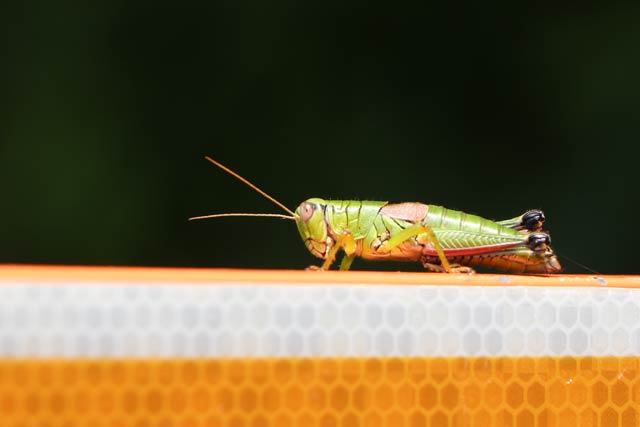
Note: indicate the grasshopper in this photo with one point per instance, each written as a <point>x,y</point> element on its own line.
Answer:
<point>443,240</point>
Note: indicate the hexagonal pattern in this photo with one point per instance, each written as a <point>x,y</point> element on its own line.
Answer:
<point>303,321</point>
<point>260,355</point>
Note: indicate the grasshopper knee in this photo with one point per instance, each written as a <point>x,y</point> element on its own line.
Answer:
<point>533,220</point>
<point>538,241</point>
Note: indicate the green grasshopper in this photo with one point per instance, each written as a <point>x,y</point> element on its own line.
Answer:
<point>443,240</point>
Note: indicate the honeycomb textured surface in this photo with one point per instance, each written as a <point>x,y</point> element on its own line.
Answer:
<point>113,354</point>
<point>322,392</point>
<point>235,320</point>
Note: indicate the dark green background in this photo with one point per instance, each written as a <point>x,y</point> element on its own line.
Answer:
<point>108,108</point>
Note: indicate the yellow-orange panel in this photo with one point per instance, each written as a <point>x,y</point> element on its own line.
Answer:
<point>86,346</point>
<point>316,391</point>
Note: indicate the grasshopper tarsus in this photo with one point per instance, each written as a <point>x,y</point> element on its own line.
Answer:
<point>453,268</point>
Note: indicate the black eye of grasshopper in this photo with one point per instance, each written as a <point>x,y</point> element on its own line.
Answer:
<point>306,211</point>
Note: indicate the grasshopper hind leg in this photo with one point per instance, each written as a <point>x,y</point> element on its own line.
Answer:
<point>439,263</point>
<point>529,221</point>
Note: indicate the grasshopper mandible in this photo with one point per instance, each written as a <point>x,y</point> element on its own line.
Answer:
<point>443,240</point>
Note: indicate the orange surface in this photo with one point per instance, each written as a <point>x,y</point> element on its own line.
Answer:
<point>152,274</point>
<point>322,392</point>
<point>234,392</point>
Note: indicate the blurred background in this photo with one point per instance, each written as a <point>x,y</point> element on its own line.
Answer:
<point>109,107</point>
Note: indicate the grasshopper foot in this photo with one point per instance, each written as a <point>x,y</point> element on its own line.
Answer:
<point>461,269</point>
<point>455,268</point>
<point>314,268</point>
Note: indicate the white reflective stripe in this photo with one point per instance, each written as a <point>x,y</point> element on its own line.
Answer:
<point>289,320</point>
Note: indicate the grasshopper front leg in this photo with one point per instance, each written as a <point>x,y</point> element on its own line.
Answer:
<point>346,262</point>
<point>345,242</point>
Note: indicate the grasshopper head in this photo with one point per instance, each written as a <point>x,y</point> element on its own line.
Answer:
<point>312,226</point>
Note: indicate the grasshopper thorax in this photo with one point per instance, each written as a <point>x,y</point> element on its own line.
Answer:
<point>310,219</point>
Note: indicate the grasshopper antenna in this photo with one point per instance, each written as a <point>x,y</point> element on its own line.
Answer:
<point>573,261</point>
<point>255,188</point>
<point>241,214</point>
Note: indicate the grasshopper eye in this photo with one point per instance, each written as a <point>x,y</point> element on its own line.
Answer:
<point>306,211</point>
